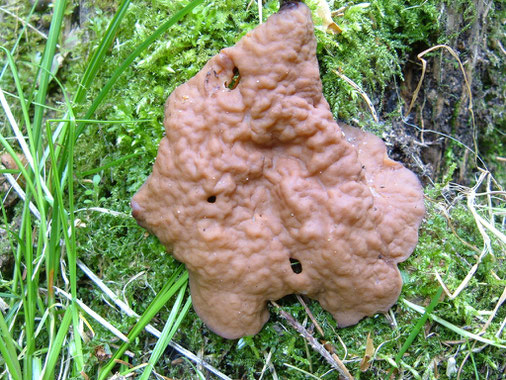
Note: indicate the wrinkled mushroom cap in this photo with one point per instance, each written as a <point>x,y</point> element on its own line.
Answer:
<point>254,178</point>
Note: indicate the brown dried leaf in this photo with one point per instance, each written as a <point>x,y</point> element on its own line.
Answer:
<point>101,354</point>
<point>369,352</point>
<point>323,11</point>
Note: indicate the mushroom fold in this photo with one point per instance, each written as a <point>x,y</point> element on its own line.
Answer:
<point>262,194</point>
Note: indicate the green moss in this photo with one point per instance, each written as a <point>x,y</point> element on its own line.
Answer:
<point>371,51</point>
<point>375,43</point>
<point>377,38</point>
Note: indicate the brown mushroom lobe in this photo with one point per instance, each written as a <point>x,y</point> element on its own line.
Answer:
<point>261,194</point>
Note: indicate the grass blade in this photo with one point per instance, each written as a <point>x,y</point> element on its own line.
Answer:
<point>8,350</point>
<point>57,344</point>
<point>108,165</point>
<point>159,301</point>
<point>98,56</point>
<point>136,53</point>
<point>44,72</point>
<point>168,332</point>
<point>419,325</point>
<point>66,221</point>
<point>456,329</point>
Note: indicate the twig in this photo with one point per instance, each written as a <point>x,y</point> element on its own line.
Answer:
<point>311,316</point>
<point>332,359</point>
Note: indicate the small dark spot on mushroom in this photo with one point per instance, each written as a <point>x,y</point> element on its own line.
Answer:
<point>206,81</point>
<point>212,199</point>
<point>296,265</point>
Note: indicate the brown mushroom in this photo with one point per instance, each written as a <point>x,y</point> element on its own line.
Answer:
<point>260,193</point>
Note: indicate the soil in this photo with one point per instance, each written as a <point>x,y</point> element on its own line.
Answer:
<point>444,108</point>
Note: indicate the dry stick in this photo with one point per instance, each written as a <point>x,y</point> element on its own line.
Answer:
<point>149,328</point>
<point>311,316</point>
<point>332,359</point>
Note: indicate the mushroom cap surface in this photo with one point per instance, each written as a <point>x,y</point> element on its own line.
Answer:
<point>262,194</point>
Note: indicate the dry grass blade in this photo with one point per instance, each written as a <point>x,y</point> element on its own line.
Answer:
<point>268,364</point>
<point>468,86</point>
<point>332,359</point>
<point>94,315</point>
<point>483,329</point>
<point>21,193</point>
<point>323,12</point>
<point>454,328</point>
<point>424,68</point>
<point>149,328</point>
<point>361,92</point>
<point>369,353</point>
<point>19,19</point>
<point>494,312</point>
<point>483,225</point>
<point>260,8</point>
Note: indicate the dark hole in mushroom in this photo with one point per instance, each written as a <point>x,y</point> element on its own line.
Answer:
<point>235,79</point>
<point>212,199</point>
<point>296,265</point>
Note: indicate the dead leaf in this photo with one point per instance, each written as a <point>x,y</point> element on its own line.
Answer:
<point>369,352</point>
<point>101,354</point>
<point>323,11</point>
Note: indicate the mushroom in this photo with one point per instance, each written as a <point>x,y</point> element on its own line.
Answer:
<point>262,194</point>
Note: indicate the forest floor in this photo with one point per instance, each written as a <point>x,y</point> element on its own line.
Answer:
<point>87,293</point>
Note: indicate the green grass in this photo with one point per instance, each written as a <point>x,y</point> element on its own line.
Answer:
<point>37,245</point>
<point>89,293</point>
